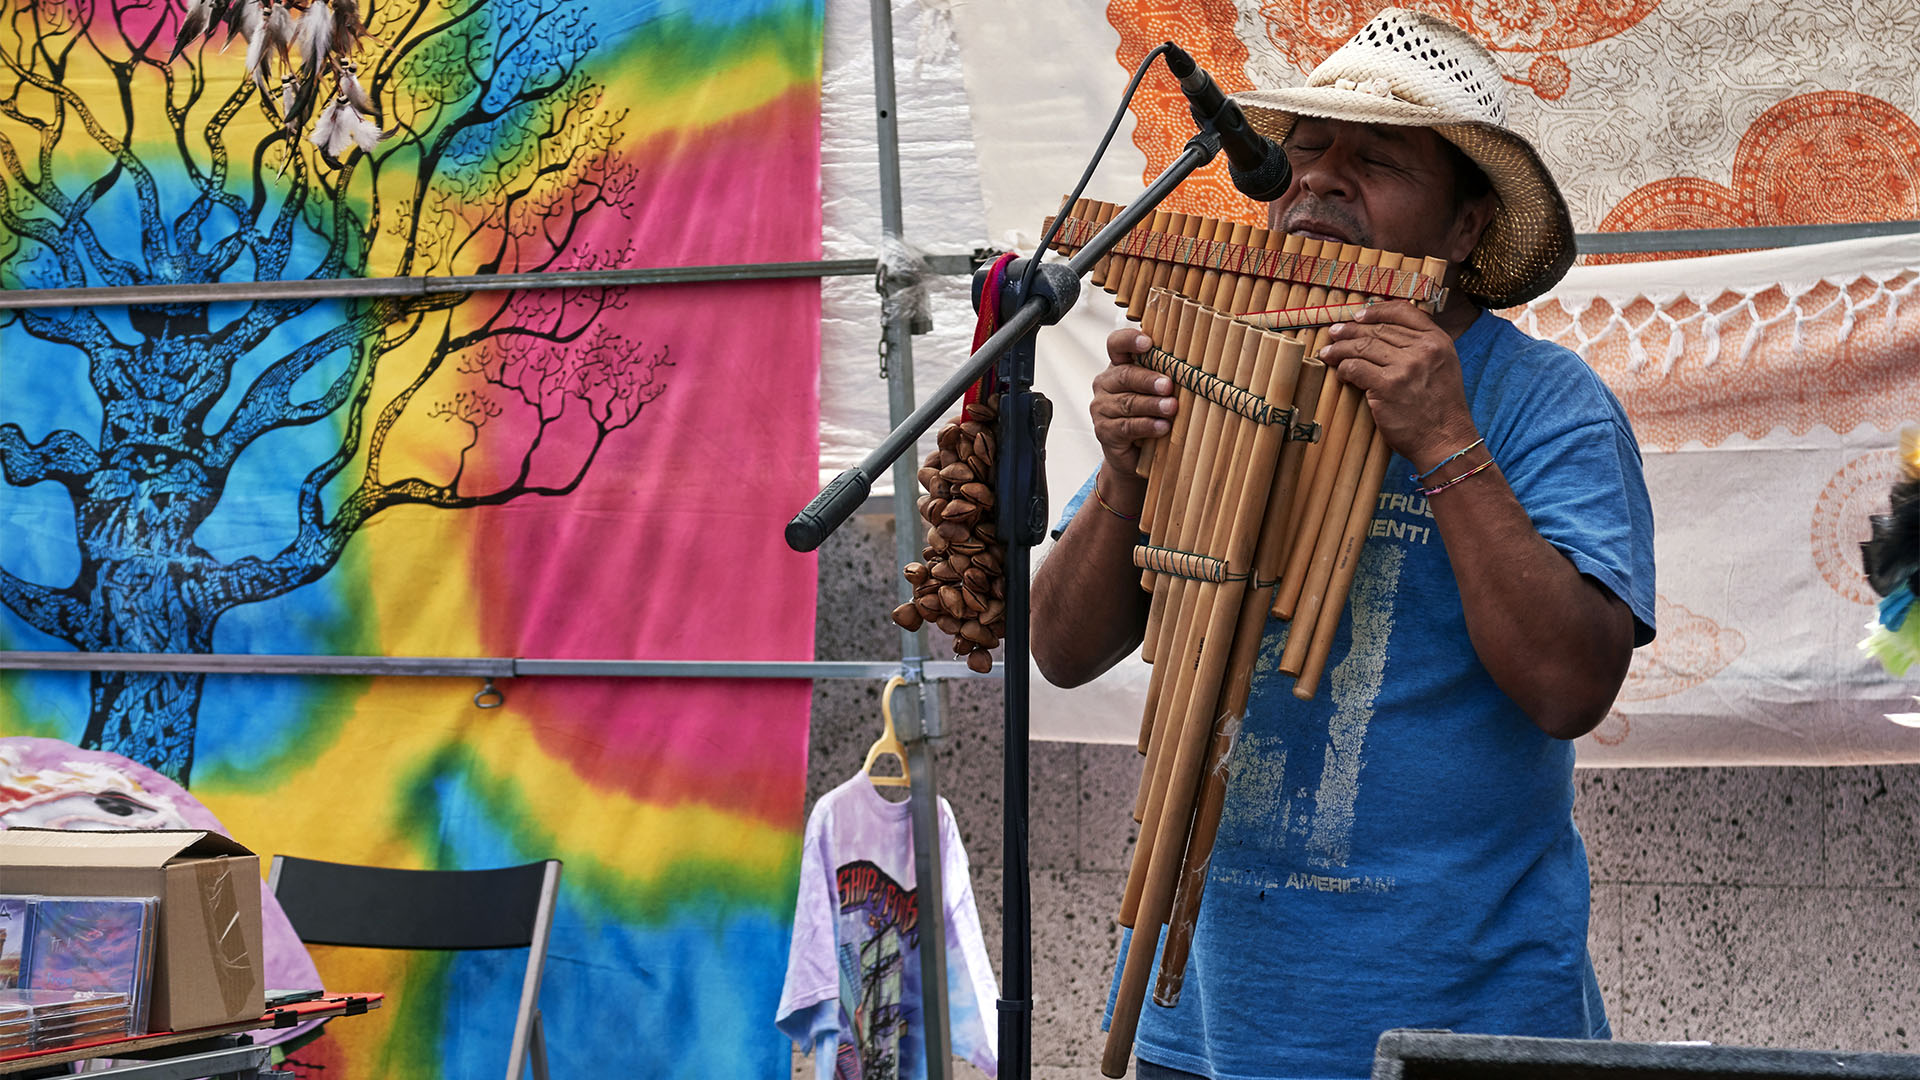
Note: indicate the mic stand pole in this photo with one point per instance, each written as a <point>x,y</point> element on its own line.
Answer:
<point>1022,523</point>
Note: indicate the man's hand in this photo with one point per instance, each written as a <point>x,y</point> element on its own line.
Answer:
<point>1131,404</point>
<point>1406,365</point>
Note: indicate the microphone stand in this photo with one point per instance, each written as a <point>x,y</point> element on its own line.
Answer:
<point>1021,524</point>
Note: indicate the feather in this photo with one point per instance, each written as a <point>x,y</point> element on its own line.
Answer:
<point>192,26</point>
<point>216,16</point>
<point>260,65</point>
<point>347,26</point>
<point>341,127</point>
<point>356,94</point>
<point>315,35</point>
<point>1891,556</point>
<point>243,22</point>
<point>280,29</point>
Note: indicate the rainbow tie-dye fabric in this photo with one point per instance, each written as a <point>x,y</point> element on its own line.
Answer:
<point>577,472</point>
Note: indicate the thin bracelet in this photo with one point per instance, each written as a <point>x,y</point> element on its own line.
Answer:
<point>1437,489</point>
<point>1419,478</point>
<point>1108,507</point>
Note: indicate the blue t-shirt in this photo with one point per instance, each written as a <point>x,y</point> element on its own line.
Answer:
<point>1400,851</point>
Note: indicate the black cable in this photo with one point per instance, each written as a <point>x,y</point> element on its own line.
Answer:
<point>1100,151</point>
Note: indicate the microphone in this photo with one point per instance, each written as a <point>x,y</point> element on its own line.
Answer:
<point>1258,167</point>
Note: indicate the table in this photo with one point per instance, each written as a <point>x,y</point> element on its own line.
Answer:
<point>186,1055</point>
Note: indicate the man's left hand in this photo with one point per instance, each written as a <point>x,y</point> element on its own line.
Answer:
<point>1406,365</point>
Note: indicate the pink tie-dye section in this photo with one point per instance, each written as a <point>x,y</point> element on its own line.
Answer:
<point>673,548</point>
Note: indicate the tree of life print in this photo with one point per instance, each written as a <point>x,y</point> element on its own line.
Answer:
<point>119,167</point>
<point>879,928</point>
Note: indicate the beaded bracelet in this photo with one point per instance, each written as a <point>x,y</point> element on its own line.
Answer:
<point>1418,478</point>
<point>1438,488</point>
<point>1108,507</point>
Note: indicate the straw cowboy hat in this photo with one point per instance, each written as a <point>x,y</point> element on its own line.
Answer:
<point>1408,68</point>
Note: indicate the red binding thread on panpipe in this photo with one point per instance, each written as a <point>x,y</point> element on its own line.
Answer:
<point>1232,258</point>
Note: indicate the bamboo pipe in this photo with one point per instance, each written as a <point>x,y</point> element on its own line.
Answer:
<point>1353,538</point>
<point>1248,637</point>
<point>1183,778</point>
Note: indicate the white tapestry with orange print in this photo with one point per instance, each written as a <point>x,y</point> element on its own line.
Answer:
<point>1767,389</point>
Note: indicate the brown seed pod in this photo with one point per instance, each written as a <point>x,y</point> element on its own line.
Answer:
<point>959,472</point>
<point>980,660</point>
<point>995,613</point>
<point>1000,588</point>
<point>974,602</point>
<point>977,580</point>
<point>981,410</point>
<point>908,616</point>
<point>959,560</point>
<point>982,446</point>
<point>945,572</point>
<point>977,493</point>
<point>959,510</point>
<point>917,573</point>
<point>951,437</point>
<point>927,476</point>
<point>972,631</point>
<point>946,458</point>
<point>929,604</point>
<point>947,624</point>
<point>986,559</point>
<point>952,601</point>
<point>951,531</point>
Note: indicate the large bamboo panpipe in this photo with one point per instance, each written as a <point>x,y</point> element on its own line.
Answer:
<point>1268,280</point>
<point>1296,497</point>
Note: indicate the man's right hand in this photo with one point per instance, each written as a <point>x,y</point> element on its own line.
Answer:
<point>1131,404</point>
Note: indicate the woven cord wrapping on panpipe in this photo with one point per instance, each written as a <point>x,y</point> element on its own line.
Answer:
<point>1296,495</point>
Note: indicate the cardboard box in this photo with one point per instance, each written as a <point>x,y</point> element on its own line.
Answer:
<point>207,962</point>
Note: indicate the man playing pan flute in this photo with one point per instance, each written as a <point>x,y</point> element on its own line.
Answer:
<point>1400,850</point>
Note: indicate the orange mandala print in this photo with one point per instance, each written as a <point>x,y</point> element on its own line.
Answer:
<point>1830,157</point>
<point>1840,521</point>
<point>1162,124</point>
<point>1833,156</point>
<point>1691,649</point>
<point>1681,202</point>
<point>1306,31</point>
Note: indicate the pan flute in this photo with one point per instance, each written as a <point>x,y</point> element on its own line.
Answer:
<point>1258,501</point>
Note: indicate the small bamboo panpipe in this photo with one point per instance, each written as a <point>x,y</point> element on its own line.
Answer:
<point>1221,289</point>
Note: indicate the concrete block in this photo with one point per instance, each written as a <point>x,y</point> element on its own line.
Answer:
<point>1809,968</point>
<point>1873,825</point>
<point>1072,964</point>
<point>1109,778</point>
<point>856,595</point>
<point>1604,945</point>
<point>1737,826</point>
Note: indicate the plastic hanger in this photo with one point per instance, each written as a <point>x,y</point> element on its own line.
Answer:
<point>889,742</point>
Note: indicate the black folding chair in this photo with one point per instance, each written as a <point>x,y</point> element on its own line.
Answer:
<point>375,907</point>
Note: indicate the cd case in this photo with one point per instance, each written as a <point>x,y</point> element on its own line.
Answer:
<point>81,967</point>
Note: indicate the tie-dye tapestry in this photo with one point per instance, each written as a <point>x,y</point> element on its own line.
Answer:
<point>1767,391</point>
<point>566,472</point>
